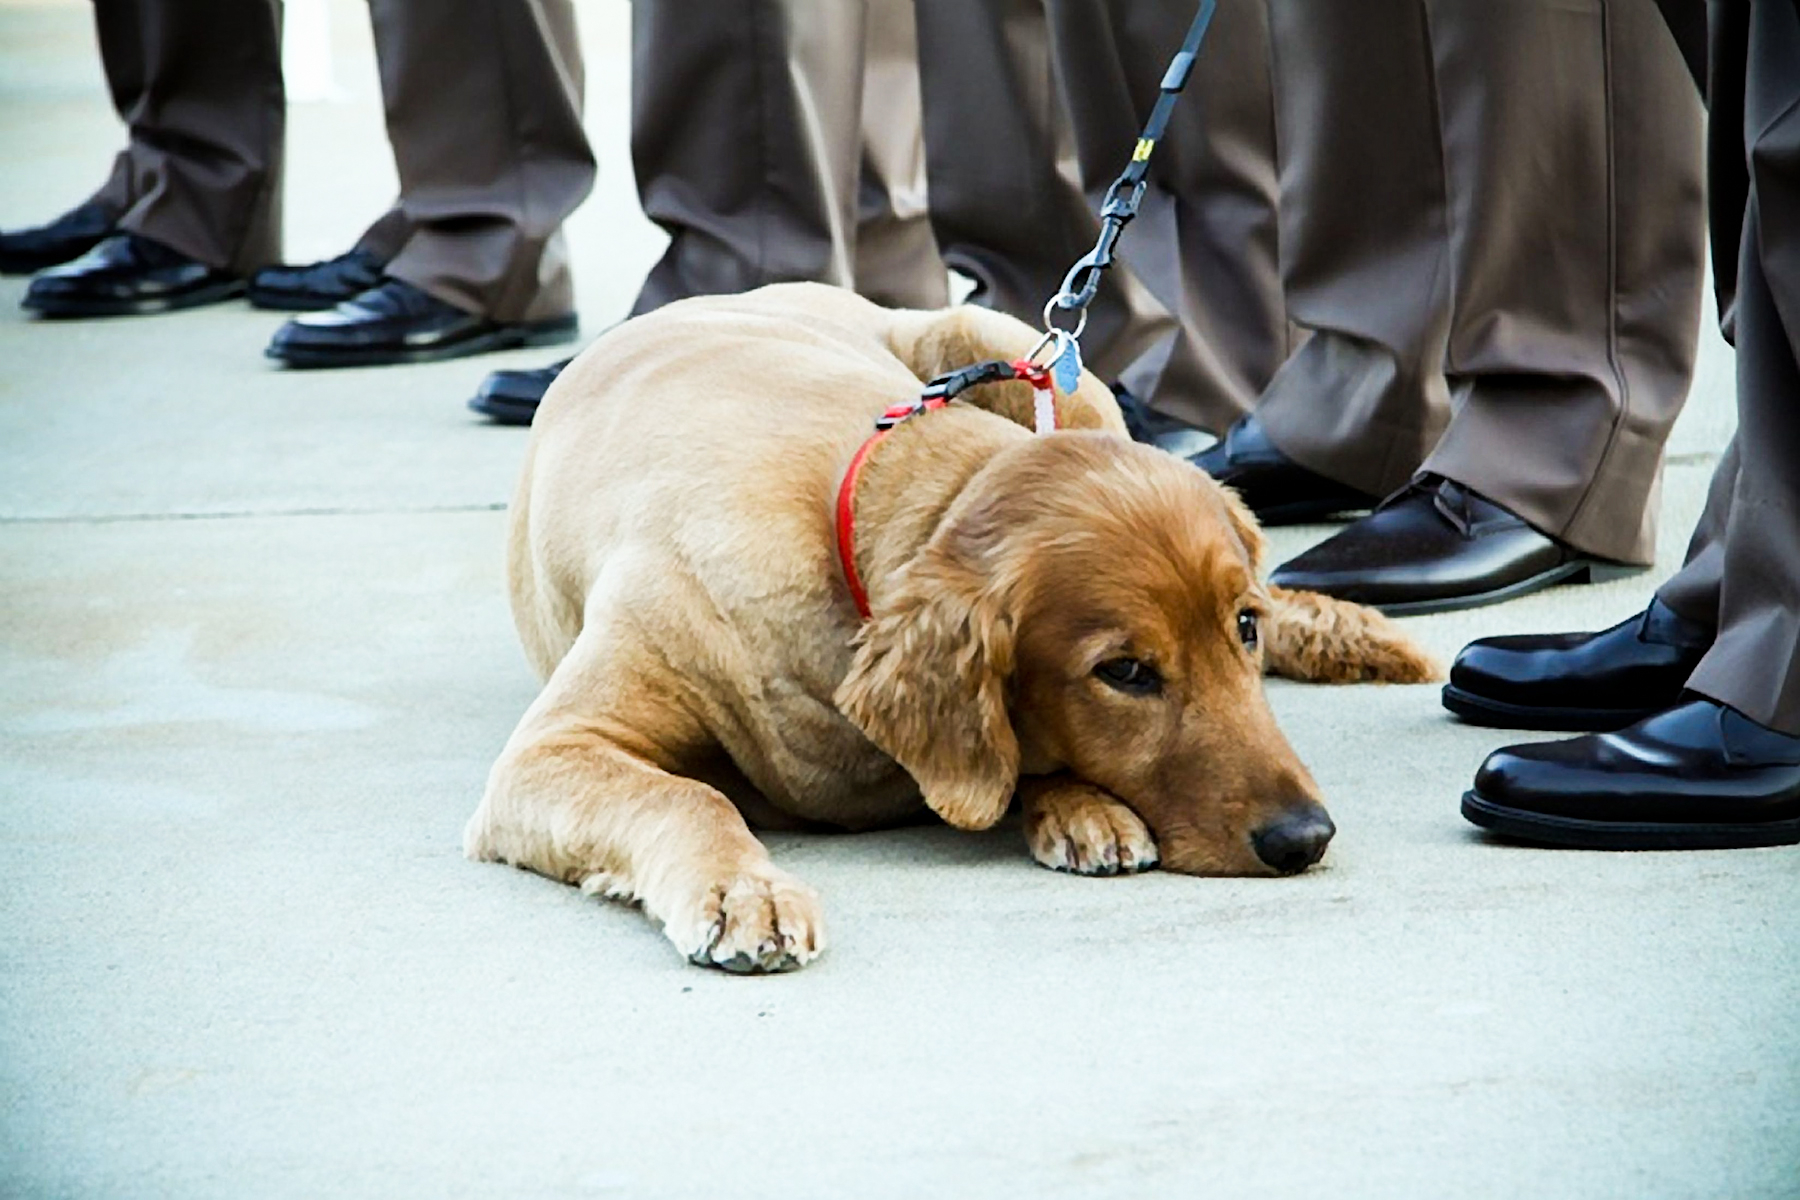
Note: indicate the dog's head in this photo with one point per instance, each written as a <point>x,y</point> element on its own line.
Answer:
<point>1092,606</point>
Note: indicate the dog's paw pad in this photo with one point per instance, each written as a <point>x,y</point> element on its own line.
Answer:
<point>1089,834</point>
<point>756,923</point>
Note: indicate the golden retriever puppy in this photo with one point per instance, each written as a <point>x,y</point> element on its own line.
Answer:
<point>1068,618</point>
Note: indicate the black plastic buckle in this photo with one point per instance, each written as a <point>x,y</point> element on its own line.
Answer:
<point>945,388</point>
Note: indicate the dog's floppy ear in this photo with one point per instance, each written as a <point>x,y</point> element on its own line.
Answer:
<point>929,686</point>
<point>1319,639</point>
<point>1244,524</point>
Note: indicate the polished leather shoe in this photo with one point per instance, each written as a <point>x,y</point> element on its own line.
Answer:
<point>1699,776</point>
<point>512,397</point>
<point>1435,546</point>
<point>69,236</point>
<point>398,323</point>
<point>316,286</point>
<point>1278,490</point>
<point>1578,681</point>
<point>127,275</point>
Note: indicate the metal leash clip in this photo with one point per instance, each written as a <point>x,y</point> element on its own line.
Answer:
<point>1082,283</point>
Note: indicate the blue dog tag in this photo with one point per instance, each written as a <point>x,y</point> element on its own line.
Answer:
<point>1065,368</point>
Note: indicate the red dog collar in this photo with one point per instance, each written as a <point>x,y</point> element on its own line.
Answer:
<point>941,391</point>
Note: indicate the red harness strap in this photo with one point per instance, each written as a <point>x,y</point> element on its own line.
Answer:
<point>937,395</point>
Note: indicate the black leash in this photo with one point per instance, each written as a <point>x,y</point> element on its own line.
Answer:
<point>1082,283</point>
<point>1127,191</point>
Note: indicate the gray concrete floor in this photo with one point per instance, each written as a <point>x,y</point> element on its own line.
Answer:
<point>255,660</point>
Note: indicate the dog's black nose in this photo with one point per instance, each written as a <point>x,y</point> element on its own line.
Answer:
<point>1295,840</point>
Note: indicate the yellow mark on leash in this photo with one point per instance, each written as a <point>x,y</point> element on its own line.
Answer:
<point>1144,147</point>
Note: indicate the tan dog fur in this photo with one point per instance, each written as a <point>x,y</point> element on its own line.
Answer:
<point>675,580</point>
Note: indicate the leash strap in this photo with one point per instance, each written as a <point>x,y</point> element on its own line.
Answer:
<point>1082,282</point>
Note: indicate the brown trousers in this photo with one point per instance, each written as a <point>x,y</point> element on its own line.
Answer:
<point>749,154</point>
<point>483,102</point>
<point>198,84</point>
<point>1743,571</point>
<point>1491,220</point>
<point>778,140</point>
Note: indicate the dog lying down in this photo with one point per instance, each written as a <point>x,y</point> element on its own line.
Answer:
<point>1068,618</point>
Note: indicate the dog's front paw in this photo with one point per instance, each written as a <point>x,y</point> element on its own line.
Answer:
<point>755,922</point>
<point>1079,828</point>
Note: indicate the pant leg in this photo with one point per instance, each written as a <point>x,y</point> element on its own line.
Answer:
<point>119,31</point>
<point>1365,256</point>
<point>1693,591</point>
<point>483,101</point>
<point>747,143</point>
<point>1006,201</point>
<point>198,82</point>
<point>1205,240</point>
<point>1573,143</point>
<point>388,235</point>
<point>897,260</point>
<point>1754,664</point>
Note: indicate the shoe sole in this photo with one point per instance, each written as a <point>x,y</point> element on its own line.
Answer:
<point>1581,570</point>
<point>516,337</point>
<point>68,308</point>
<point>1498,714</point>
<point>1576,833</point>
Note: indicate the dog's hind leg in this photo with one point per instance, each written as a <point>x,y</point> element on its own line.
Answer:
<point>1319,639</point>
<point>579,795</point>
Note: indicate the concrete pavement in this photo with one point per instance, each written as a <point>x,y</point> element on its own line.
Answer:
<point>255,661</point>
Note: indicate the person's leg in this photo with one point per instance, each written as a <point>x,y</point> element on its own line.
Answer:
<point>193,204</point>
<point>1204,241</point>
<point>1005,205</point>
<point>1693,591</point>
<point>1364,240</point>
<point>1574,275</point>
<point>746,139</point>
<point>207,130</point>
<point>748,144</point>
<point>1722,767</point>
<point>483,101</point>
<point>119,30</point>
<point>1573,142</point>
<point>897,261</point>
<point>1754,663</point>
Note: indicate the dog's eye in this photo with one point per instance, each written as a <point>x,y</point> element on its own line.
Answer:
<point>1130,675</point>
<point>1247,629</point>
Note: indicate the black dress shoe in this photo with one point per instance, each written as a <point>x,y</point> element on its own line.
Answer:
<point>512,397</point>
<point>316,286</point>
<point>1578,681</point>
<point>126,275</point>
<point>1700,776</point>
<point>1153,428</point>
<point>69,236</point>
<point>1278,490</point>
<point>398,323</point>
<point>1434,546</point>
